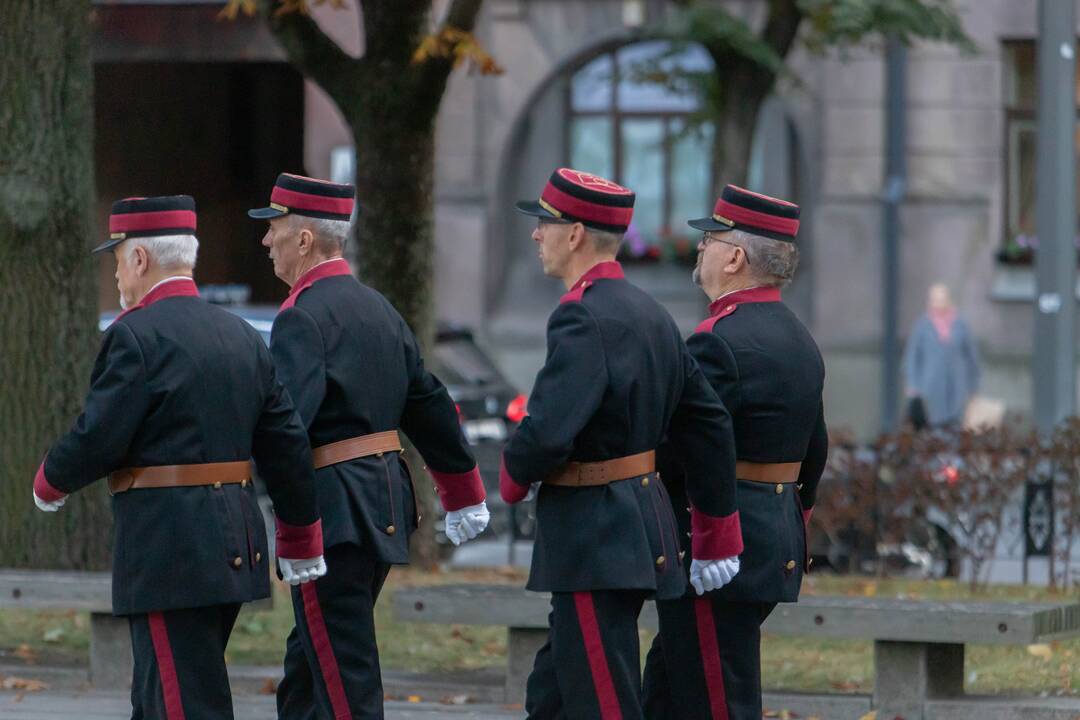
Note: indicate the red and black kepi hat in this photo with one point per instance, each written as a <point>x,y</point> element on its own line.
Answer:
<point>149,216</point>
<point>739,209</point>
<point>301,195</point>
<point>575,196</point>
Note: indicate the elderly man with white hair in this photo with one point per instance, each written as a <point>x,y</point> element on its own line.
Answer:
<point>766,368</point>
<point>355,371</point>
<point>183,394</point>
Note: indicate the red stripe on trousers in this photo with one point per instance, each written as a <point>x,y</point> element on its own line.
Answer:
<point>710,658</point>
<point>594,649</point>
<point>170,684</point>
<point>320,638</point>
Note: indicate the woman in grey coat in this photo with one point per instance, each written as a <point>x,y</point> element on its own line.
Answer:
<point>941,364</point>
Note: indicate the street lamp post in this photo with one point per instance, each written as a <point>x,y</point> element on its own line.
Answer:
<point>1053,361</point>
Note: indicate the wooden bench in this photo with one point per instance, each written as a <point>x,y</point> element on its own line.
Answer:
<point>918,644</point>
<point>110,639</point>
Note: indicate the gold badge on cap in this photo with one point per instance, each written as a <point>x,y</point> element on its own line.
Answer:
<point>722,219</point>
<point>279,208</point>
<point>117,236</point>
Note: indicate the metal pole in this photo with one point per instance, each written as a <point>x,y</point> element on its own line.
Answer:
<point>893,196</point>
<point>1053,362</point>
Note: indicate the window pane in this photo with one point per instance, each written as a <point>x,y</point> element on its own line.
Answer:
<point>1021,180</point>
<point>643,172</point>
<point>643,59</point>
<point>690,177</point>
<point>591,88</point>
<point>591,148</point>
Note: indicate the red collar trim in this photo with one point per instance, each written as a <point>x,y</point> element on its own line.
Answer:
<point>607,270</point>
<point>330,268</point>
<point>741,297</point>
<point>176,287</point>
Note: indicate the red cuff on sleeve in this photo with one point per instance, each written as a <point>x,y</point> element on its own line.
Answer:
<point>299,542</point>
<point>806,516</point>
<point>459,490</point>
<point>510,490</point>
<point>715,538</point>
<point>43,489</point>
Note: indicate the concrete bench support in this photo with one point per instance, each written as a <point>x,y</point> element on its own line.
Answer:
<point>522,644</point>
<point>110,651</point>
<point>907,674</point>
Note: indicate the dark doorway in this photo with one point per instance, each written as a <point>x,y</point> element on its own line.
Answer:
<point>217,131</point>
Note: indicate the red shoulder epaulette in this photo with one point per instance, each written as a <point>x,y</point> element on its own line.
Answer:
<point>576,294</point>
<point>708,323</point>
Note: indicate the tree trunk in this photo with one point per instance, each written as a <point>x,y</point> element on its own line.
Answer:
<point>47,294</point>
<point>395,244</point>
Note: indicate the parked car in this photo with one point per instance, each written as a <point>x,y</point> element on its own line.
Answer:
<point>488,406</point>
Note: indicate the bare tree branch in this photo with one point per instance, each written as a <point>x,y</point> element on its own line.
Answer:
<point>435,71</point>
<point>312,51</point>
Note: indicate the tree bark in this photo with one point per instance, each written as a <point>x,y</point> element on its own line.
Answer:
<point>744,84</point>
<point>47,293</point>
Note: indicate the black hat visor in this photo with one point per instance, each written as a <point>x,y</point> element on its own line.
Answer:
<point>531,207</point>
<point>266,213</point>
<point>709,224</point>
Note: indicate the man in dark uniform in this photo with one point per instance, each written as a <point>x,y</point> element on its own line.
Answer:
<point>616,380</point>
<point>182,395</point>
<point>768,372</point>
<point>354,369</point>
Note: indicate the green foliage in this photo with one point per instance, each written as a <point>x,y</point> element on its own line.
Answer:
<point>845,23</point>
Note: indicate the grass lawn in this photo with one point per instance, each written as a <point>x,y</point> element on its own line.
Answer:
<point>787,663</point>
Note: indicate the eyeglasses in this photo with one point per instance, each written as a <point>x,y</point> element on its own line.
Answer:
<point>708,237</point>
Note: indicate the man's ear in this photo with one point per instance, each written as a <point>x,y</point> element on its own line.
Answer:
<point>577,236</point>
<point>141,259</point>
<point>306,241</point>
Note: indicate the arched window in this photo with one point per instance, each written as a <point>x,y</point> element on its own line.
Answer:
<point>635,131</point>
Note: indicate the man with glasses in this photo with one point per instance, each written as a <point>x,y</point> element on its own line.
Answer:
<point>616,381</point>
<point>766,368</point>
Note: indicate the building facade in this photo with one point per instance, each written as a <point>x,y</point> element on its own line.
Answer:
<point>233,113</point>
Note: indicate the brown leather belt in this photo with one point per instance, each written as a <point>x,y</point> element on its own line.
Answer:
<point>577,474</point>
<point>770,473</point>
<point>357,447</point>
<point>163,476</point>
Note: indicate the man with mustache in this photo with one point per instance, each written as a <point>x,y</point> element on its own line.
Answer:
<point>182,395</point>
<point>354,369</point>
<point>705,663</point>
<point>616,381</point>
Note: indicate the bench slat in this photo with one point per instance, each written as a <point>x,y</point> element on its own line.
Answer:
<point>47,589</point>
<point>830,617</point>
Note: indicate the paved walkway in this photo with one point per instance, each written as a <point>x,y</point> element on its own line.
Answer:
<point>98,705</point>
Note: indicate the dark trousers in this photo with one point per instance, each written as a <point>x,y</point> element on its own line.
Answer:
<point>180,663</point>
<point>331,660</point>
<point>705,664</point>
<point>590,667</point>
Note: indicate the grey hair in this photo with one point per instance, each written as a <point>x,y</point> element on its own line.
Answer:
<point>771,261</point>
<point>169,251</point>
<point>605,241</point>
<point>334,232</point>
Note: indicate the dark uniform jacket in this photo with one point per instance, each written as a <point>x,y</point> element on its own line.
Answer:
<point>769,374</point>
<point>617,378</point>
<point>354,368</point>
<point>179,381</point>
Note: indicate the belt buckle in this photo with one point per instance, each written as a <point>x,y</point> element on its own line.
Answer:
<point>120,477</point>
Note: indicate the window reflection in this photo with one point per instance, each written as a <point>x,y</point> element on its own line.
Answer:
<point>627,126</point>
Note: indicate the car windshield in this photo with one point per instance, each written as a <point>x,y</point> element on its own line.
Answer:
<point>462,363</point>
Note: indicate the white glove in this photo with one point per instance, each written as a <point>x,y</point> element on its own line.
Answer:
<point>466,523</point>
<point>706,575</point>
<point>46,506</point>
<point>295,572</point>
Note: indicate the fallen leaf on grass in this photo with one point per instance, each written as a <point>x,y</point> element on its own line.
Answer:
<point>845,685</point>
<point>872,715</point>
<point>455,700</point>
<point>414,699</point>
<point>24,684</point>
<point>25,652</point>
<point>1041,651</point>
<point>53,635</point>
<point>269,687</point>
